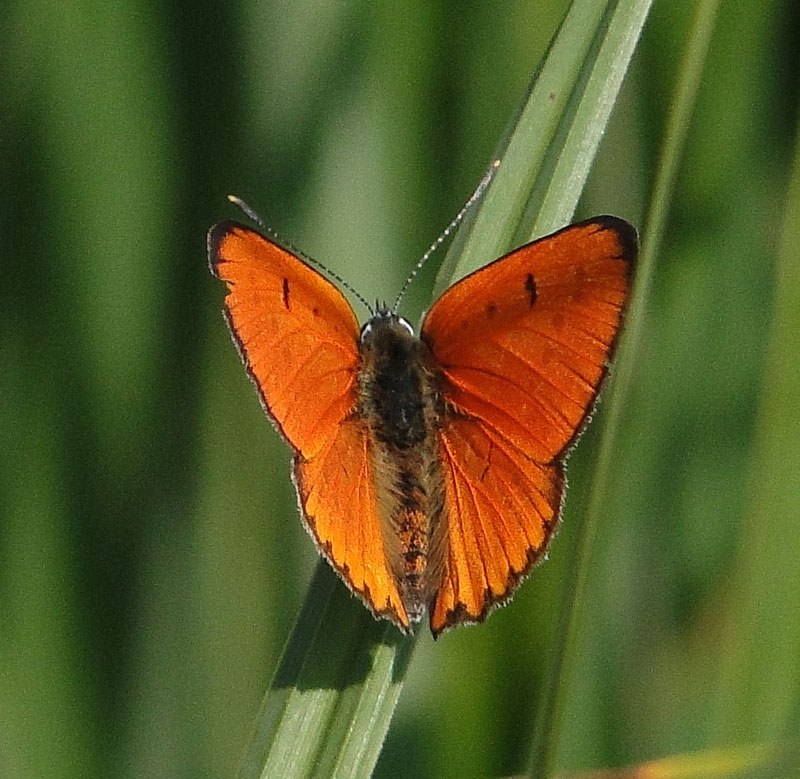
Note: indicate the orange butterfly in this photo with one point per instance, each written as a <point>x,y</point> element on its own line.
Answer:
<point>430,469</point>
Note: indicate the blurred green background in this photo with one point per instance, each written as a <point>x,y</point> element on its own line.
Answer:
<point>151,559</point>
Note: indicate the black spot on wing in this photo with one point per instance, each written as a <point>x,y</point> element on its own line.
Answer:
<point>285,294</point>
<point>530,288</point>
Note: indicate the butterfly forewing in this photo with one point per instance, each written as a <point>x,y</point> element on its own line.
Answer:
<point>297,334</point>
<point>523,343</point>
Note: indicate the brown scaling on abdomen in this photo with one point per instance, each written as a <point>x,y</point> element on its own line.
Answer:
<point>400,402</point>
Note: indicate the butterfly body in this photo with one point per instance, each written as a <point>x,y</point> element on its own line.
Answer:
<point>430,469</point>
<point>400,401</point>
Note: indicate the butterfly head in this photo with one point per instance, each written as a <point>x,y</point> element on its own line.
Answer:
<point>383,320</point>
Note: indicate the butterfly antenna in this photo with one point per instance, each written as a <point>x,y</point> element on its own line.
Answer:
<point>474,198</point>
<point>237,201</point>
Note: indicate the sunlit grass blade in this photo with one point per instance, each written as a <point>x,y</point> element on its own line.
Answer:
<point>572,154</point>
<point>544,754</point>
<point>760,680</point>
<point>489,231</point>
<point>331,702</point>
<point>570,158</point>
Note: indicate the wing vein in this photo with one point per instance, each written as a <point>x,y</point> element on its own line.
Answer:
<point>459,495</point>
<point>535,369</point>
<point>509,450</point>
<point>547,336</point>
<point>552,411</point>
<point>321,339</point>
<point>473,491</point>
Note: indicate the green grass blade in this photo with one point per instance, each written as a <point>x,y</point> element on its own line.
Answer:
<point>544,754</point>
<point>523,153</point>
<point>601,81</point>
<point>330,702</point>
<point>760,678</point>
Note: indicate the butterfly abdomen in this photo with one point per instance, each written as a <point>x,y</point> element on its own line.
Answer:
<point>400,403</point>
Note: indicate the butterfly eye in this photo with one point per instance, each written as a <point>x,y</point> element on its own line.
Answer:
<point>405,323</point>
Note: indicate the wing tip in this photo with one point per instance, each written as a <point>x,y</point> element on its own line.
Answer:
<point>626,233</point>
<point>214,239</point>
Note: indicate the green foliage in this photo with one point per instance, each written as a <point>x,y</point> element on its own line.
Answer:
<point>151,566</point>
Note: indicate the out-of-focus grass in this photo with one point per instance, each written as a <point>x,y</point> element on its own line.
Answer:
<point>759,694</point>
<point>148,575</point>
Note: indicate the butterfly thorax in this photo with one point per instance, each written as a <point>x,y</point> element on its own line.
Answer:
<point>400,401</point>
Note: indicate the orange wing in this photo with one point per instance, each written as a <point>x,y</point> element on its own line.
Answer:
<point>522,346</point>
<point>337,492</point>
<point>500,510</point>
<point>298,337</point>
<point>296,332</point>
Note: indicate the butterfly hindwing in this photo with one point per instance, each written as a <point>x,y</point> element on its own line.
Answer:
<point>338,492</point>
<point>501,509</point>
